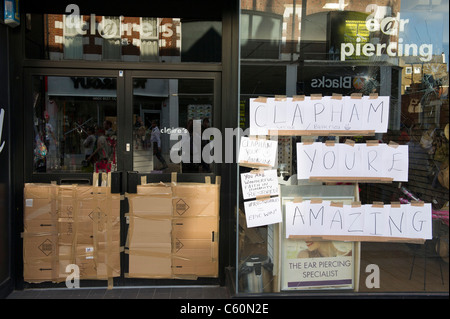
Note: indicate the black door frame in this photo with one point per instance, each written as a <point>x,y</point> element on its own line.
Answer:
<point>21,67</point>
<point>124,76</point>
<point>29,73</point>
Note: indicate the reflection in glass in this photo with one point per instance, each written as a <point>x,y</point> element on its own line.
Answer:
<point>74,124</point>
<point>94,37</point>
<point>260,35</point>
<point>165,106</point>
<point>338,53</point>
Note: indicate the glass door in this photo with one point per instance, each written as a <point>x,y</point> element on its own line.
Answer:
<point>169,121</point>
<point>170,113</point>
<point>133,120</point>
<point>74,128</point>
<point>136,122</point>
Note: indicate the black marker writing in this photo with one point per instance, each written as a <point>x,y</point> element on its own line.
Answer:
<point>357,216</point>
<point>319,212</point>
<point>312,160</point>
<point>325,161</point>
<point>297,108</point>
<point>297,212</point>
<point>369,162</point>
<point>371,107</point>
<point>392,222</point>
<point>315,110</point>
<point>339,220</point>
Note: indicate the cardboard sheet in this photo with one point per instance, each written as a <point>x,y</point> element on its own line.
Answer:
<point>61,222</point>
<point>173,230</point>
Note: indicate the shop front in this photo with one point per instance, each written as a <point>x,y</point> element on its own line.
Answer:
<point>323,84</point>
<point>279,148</point>
<point>111,95</point>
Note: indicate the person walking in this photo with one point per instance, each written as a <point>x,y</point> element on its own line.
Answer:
<point>155,140</point>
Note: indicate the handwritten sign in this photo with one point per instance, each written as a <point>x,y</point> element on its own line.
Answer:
<point>263,212</point>
<point>407,221</point>
<point>258,152</point>
<point>322,114</point>
<point>259,183</point>
<point>356,161</point>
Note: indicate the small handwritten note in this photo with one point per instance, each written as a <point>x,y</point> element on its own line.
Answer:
<point>259,183</point>
<point>258,152</point>
<point>263,212</point>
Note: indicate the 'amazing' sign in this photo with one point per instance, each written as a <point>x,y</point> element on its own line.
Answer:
<point>325,218</point>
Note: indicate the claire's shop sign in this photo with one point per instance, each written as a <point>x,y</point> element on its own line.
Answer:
<point>109,28</point>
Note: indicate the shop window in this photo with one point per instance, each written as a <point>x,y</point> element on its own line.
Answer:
<point>74,123</point>
<point>202,41</point>
<point>258,79</point>
<point>149,39</point>
<point>164,107</point>
<point>122,38</point>
<point>111,34</point>
<point>73,41</point>
<point>323,34</point>
<point>260,35</point>
<point>271,258</point>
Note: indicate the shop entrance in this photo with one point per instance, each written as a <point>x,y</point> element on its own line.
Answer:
<point>164,107</point>
<point>125,118</point>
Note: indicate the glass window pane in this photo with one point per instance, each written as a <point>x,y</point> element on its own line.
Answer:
<point>111,34</point>
<point>261,36</point>
<point>73,42</point>
<point>149,39</point>
<point>122,38</point>
<point>162,107</point>
<point>396,49</point>
<point>202,41</point>
<point>75,123</point>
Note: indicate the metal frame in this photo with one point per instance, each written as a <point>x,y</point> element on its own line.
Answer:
<point>28,120</point>
<point>124,117</point>
<point>124,100</point>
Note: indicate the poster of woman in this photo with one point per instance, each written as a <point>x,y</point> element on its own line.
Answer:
<point>318,265</point>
